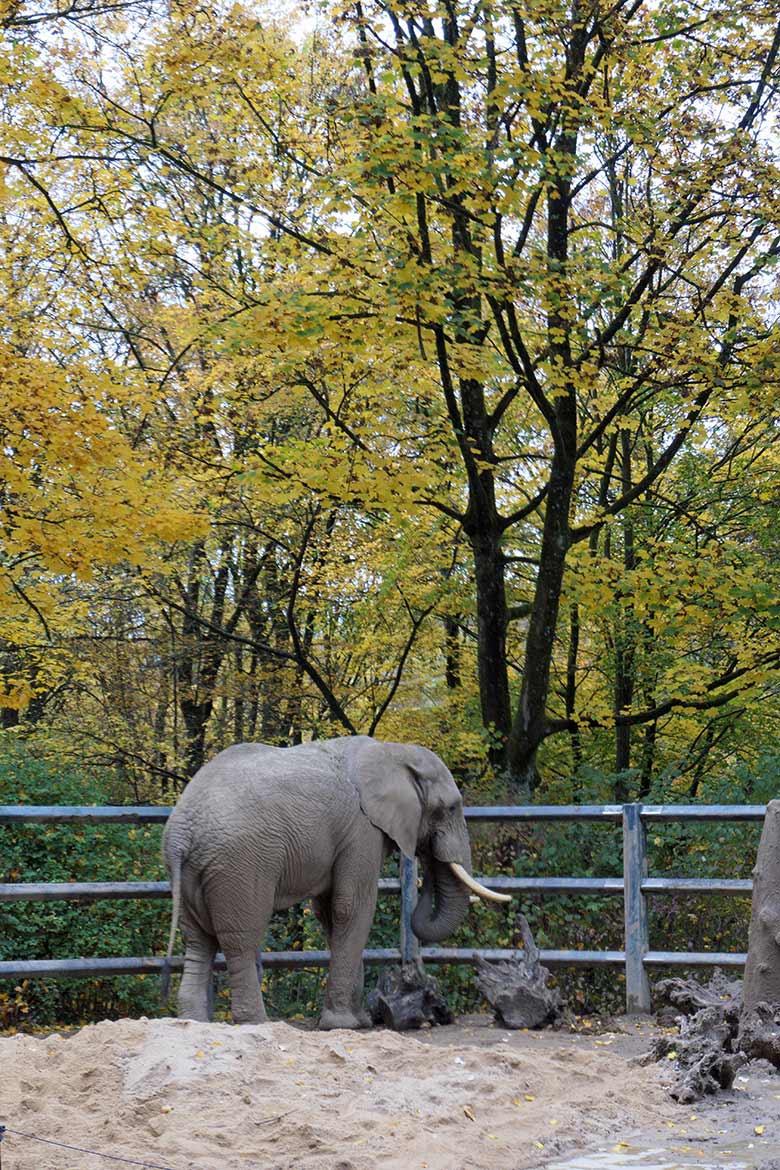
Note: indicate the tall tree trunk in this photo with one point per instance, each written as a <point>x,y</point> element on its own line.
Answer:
<point>762,970</point>
<point>571,687</point>
<point>625,636</point>
<point>452,676</point>
<point>195,717</point>
<point>491,641</point>
<point>530,726</point>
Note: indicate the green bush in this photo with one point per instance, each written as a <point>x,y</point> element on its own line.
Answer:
<point>52,930</point>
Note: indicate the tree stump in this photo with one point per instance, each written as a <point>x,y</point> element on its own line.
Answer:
<point>517,989</point>
<point>685,997</point>
<point>723,1034</point>
<point>707,1051</point>
<point>762,971</point>
<point>759,1033</point>
<point>406,998</point>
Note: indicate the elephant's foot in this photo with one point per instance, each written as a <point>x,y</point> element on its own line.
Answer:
<point>249,1016</point>
<point>246,998</point>
<point>194,1001</point>
<point>364,1018</point>
<point>331,1019</point>
<point>197,1010</point>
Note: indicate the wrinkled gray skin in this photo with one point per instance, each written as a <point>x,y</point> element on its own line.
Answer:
<point>259,828</point>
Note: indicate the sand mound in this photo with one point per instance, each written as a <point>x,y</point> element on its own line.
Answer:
<point>272,1097</point>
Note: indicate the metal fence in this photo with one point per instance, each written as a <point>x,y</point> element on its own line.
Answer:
<point>634,887</point>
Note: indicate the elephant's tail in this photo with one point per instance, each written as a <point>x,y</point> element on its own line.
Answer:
<point>165,973</point>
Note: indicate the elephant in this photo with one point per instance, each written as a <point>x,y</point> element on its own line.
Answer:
<point>259,828</point>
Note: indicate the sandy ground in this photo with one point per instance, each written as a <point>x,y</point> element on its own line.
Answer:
<point>272,1097</point>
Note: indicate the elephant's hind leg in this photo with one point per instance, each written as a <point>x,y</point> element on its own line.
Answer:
<point>246,997</point>
<point>195,998</point>
<point>239,946</point>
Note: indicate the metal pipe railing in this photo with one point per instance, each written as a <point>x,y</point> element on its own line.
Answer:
<point>634,887</point>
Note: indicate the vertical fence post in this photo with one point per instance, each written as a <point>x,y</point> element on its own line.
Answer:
<point>637,939</point>
<point>410,946</point>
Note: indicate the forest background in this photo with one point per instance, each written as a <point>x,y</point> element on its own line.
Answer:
<point>388,368</point>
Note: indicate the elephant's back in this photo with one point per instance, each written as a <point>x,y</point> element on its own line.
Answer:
<point>251,788</point>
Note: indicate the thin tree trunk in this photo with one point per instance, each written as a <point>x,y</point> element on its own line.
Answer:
<point>452,677</point>
<point>571,687</point>
<point>530,726</point>
<point>491,641</point>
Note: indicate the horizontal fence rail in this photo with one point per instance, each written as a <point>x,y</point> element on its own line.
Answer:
<point>633,887</point>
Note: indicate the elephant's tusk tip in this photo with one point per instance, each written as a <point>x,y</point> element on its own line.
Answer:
<point>477,887</point>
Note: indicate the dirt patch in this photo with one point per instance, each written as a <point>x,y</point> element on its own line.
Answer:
<point>272,1097</point>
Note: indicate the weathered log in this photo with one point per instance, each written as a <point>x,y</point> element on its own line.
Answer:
<point>406,998</point>
<point>718,1040</point>
<point>517,988</point>
<point>759,1033</point>
<point>724,1034</point>
<point>706,1050</point>
<point>684,997</point>
<point>762,971</point>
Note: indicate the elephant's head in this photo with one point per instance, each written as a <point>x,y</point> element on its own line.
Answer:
<point>408,793</point>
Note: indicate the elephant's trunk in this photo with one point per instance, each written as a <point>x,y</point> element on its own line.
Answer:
<point>443,903</point>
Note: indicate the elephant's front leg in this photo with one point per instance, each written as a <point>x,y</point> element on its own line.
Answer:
<point>347,919</point>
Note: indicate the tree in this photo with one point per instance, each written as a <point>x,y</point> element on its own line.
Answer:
<point>77,489</point>
<point>517,259</point>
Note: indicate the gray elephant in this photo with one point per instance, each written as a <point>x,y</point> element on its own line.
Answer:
<point>259,828</point>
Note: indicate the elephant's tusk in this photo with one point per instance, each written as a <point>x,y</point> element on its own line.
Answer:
<point>468,880</point>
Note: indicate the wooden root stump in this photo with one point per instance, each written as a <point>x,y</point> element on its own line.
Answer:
<point>684,997</point>
<point>715,1042</point>
<point>406,998</point>
<point>759,1033</point>
<point>707,1052</point>
<point>517,989</point>
<point>726,1030</point>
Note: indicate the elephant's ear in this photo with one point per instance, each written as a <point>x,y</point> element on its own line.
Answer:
<point>388,786</point>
